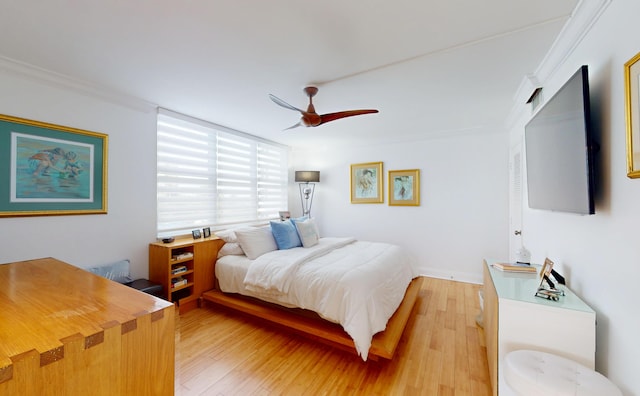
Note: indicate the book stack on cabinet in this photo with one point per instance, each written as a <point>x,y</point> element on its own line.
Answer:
<point>185,268</point>
<point>517,267</point>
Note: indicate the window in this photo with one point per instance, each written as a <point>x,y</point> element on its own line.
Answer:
<point>209,175</point>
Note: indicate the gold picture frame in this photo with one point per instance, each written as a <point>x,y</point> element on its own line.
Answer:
<point>404,187</point>
<point>51,169</point>
<point>366,183</point>
<point>546,268</point>
<point>632,113</point>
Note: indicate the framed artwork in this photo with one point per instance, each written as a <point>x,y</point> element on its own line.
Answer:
<point>206,232</point>
<point>366,183</point>
<point>632,113</point>
<point>48,169</point>
<point>196,234</point>
<point>404,187</point>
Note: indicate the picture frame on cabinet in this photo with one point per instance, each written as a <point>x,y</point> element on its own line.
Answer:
<point>51,169</point>
<point>632,115</point>
<point>547,267</point>
<point>206,232</point>
<point>196,234</point>
<point>284,215</point>
<point>547,288</point>
<point>366,183</point>
<point>404,187</point>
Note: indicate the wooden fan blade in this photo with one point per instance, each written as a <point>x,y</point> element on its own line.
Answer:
<point>324,118</point>
<point>284,104</point>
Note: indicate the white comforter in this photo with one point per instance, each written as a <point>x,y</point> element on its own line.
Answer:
<point>355,283</point>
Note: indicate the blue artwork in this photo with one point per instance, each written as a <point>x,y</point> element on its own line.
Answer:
<point>50,170</point>
<point>367,183</point>
<point>403,188</point>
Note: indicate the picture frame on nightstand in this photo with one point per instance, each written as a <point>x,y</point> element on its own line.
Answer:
<point>547,288</point>
<point>547,267</point>
<point>196,234</point>
<point>284,215</point>
<point>206,232</point>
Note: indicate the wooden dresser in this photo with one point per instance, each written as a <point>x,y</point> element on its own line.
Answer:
<point>515,319</point>
<point>65,331</point>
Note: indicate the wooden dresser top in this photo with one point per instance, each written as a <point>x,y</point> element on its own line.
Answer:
<point>45,301</point>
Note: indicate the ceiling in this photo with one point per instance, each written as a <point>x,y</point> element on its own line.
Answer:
<point>430,67</point>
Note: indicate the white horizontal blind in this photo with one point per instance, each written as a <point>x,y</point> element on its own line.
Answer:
<point>209,176</point>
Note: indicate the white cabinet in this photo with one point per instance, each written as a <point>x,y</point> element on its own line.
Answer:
<point>515,319</point>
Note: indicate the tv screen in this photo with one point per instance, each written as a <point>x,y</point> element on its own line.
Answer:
<point>559,150</point>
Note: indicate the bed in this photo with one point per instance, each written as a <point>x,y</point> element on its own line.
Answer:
<point>355,287</point>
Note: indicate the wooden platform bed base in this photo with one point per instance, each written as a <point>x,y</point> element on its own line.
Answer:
<point>313,326</point>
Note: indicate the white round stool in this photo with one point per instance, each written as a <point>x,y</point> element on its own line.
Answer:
<point>538,373</point>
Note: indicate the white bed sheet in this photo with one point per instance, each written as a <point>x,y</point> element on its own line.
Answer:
<point>359,285</point>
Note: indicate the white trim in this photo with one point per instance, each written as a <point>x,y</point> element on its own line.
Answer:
<point>584,16</point>
<point>58,80</point>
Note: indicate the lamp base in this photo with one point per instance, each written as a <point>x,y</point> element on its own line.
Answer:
<point>306,197</point>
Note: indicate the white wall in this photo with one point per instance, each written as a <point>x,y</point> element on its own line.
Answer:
<point>88,240</point>
<point>463,212</point>
<point>600,254</point>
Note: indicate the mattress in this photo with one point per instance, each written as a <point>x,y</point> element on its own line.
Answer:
<point>230,273</point>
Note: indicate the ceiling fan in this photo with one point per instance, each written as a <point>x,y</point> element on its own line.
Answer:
<point>312,119</point>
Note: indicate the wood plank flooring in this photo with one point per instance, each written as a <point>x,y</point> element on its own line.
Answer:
<point>442,352</point>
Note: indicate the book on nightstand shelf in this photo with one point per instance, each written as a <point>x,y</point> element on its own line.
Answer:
<point>177,282</point>
<point>179,270</point>
<point>508,267</point>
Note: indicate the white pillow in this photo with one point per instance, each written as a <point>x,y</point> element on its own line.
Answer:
<point>308,232</point>
<point>230,249</point>
<point>228,236</point>
<point>256,241</point>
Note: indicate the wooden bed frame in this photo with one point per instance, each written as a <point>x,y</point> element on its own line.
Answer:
<point>311,325</point>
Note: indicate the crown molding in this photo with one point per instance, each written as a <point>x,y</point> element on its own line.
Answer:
<point>57,80</point>
<point>583,17</point>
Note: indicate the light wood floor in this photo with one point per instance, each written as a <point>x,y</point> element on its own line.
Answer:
<point>442,352</point>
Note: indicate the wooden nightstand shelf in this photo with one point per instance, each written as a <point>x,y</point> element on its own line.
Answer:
<point>197,257</point>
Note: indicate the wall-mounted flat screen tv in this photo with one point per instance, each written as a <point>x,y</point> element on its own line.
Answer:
<point>560,149</point>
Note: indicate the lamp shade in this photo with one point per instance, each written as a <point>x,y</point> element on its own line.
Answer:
<point>307,176</point>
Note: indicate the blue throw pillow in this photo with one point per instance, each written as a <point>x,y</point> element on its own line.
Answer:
<point>285,234</point>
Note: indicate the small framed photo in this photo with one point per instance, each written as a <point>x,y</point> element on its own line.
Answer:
<point>196,234</point>
<point>206,232</point>
<point>404,187</point>
<point>546,268</point>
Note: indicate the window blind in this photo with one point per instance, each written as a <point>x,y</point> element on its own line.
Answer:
<point>211,176</point>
